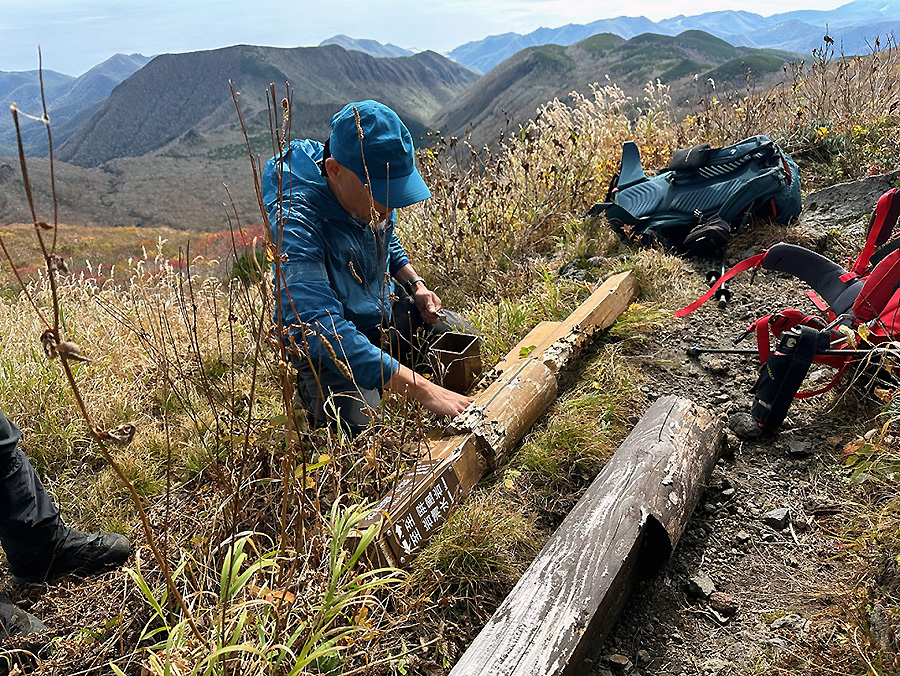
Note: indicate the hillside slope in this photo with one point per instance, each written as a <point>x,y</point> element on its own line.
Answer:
<point>70,100</point>
<point>185,98</point>
<point>485,54</point>
<point>517,87</point>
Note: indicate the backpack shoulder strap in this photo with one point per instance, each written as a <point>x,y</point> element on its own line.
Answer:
<point>782,374</point>
<point>881,226</point>
<point>824,276</point>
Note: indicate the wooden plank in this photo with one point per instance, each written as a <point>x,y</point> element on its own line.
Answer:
<point>535,337</point>
<point>485,436</point>
<point>596,314</point>
<point>626,524</point>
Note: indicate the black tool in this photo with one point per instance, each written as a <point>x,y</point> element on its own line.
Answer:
<point>723,294</point>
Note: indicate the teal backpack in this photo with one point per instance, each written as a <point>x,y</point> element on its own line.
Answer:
<point>703,196</point>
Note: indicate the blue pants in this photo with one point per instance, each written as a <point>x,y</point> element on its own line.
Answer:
<point>29,520</point>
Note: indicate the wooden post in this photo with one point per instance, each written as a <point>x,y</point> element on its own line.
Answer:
<point>423,497</point>
<point>506,410</point>
<point>627,524</point>
<point>528,344</point>
<point>594,315</point>
<point>485,434</point>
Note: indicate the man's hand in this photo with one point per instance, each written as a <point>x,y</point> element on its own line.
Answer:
<point>435,398</point>
<point>441,401</point>
<point>428,303</point>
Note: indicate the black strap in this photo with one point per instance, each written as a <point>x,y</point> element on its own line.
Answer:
<point>690,158</point>
<point>783,373</point>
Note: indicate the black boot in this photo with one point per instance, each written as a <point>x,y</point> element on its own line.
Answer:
<point>16,622</point>
<point>38,545</point>
<point>73,552</point>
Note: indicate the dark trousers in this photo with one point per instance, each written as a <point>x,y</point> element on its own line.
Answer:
<point>340,403</point>
<point>28,518</point>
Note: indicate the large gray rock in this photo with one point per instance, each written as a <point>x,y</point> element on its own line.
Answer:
<point>701,586</point>
<point>844,206</point>
<point>777,518</point>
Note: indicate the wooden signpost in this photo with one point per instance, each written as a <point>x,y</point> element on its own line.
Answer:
<point>626,524</point>
<point>486,433</point>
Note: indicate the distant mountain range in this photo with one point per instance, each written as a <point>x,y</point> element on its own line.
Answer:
<point>853,26</point>
<point>152,141</point>
<point>70,100</point>
<point>182,103</point>
<point>513,90</point>
<point>370,47</point>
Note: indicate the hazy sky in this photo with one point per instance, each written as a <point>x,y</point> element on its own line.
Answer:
<point>77,34</point>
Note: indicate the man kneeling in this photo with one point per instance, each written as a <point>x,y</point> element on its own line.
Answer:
<point>331,209</point>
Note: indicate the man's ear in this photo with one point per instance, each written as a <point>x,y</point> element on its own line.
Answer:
<point>332,168</point>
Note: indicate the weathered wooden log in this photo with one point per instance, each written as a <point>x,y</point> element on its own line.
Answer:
<point>506,410</point>
<point>484,437</point>
<point>627,524</point>
<point>525,347</point>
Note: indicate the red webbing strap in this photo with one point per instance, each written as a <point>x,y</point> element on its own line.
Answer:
<point>762,338</point>
<point>822,390</point>
<point>817,301</point>
<point>746,264</point>
<point>884,216</point>
<point>778,323</point>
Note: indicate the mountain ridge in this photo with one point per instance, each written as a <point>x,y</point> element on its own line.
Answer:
<point>513,90</point>
<point>179,93</point>
<point>366,46</point>
<point>854,26</point>
<point>70,100</point>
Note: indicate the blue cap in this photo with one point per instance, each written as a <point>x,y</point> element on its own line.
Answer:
<point>389,153</point>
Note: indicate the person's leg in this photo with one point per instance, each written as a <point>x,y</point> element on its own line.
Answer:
<point>38,545</point>
<point>332,400</point>
<point>28,518</point>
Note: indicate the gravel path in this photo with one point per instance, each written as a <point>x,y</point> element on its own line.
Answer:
<point>757,584</point>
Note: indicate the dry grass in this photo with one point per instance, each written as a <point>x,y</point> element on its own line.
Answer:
<point>836,115</point>
<point>556,169</point>
<point>188,355</point>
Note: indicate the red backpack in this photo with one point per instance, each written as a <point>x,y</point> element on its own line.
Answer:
<point>860,311</point>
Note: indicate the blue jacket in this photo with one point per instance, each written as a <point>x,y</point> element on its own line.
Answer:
<point>337,271</point>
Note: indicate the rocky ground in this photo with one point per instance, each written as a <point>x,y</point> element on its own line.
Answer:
<point>758,583</point>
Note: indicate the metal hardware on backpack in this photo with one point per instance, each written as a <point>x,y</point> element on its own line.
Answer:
<point>862,299</point>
